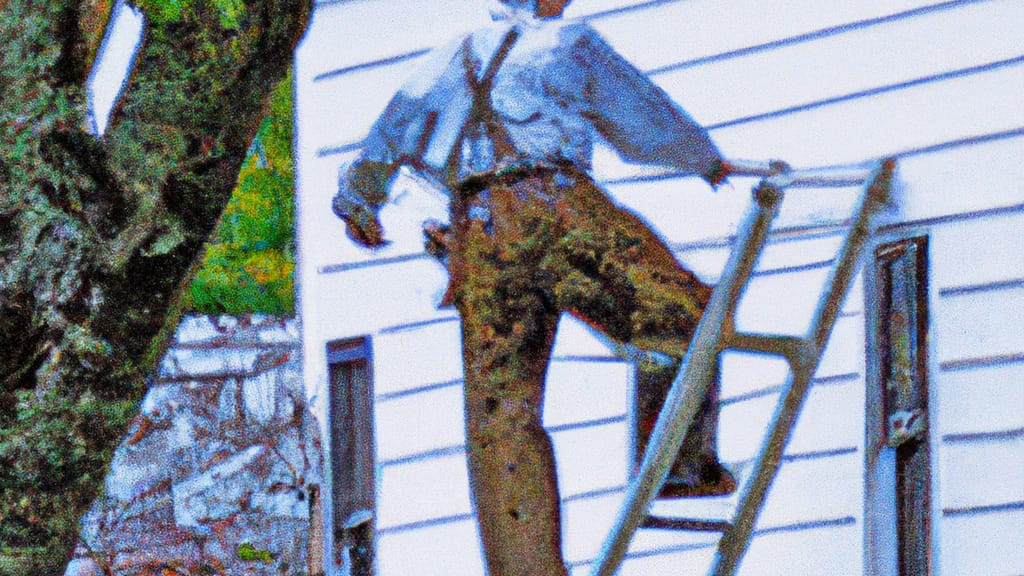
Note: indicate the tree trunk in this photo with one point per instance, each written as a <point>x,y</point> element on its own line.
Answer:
<point>98,235</point>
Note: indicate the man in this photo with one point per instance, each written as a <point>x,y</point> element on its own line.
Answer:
<point>506,119</point>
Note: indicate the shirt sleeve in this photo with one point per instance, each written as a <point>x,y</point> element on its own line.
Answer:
<point>636,116</point>
<point>414,125</point>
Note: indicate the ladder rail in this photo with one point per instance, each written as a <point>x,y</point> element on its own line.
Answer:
<point>815,177</point>
<point>735,541</point>
<point>715,333</point>
<point>687,392</point>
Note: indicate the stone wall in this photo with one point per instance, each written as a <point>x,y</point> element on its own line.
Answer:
<point>216,474</point>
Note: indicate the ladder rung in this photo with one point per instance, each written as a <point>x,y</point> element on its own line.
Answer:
<point>793,348</point>
<point>845,176</point>
<point>688,524</point>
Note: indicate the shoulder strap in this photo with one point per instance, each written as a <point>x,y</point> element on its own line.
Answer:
<point>481,111</point>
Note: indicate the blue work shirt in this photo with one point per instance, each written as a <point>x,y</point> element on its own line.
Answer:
<point>556,91</point>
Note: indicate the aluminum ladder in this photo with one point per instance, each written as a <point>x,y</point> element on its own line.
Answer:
<point>716,333</point>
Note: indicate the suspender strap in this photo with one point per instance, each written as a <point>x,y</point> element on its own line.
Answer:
<point>481,112</point>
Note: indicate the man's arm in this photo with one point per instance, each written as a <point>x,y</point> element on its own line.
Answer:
<point>401,135</point>
<point>637,117</point>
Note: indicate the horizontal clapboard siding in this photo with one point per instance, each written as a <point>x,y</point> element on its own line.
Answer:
<point>832,420</point>
<point>823,547</point>
<point>404,428</point>
<point>447,549</point>
<point>977,252</point>
<point>979,325</point>
<point>351,34</point>
<point>978,274</point>
<point>820,504</point>
<point>984,400</point>
<point>708,258</point>
<point>603,386</point>
<point>592,457</point>
<point>423,490</point>
<point>985,543</point>
<point>888,123</point>
<point>657,34</point>
<point>365,300</point>
<point>887,54</point>
<point>982,473</point>
<point>831,547</point>
<point>962,182</point>
<point>331,252</point>
<point>417,357</point>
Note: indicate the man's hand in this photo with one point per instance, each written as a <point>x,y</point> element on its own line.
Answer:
<point>718,174</point>
<point>362,187</point>
<point>362,225</point>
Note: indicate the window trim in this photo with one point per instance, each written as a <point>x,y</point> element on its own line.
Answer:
<point>882,533</point>
<point>352,351</point>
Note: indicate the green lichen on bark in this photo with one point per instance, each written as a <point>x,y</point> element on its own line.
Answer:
<point>97,236</point>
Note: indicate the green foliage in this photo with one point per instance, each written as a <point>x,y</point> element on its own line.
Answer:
<point>162,11</point>
<point>249,265</point>
<point>250,553</point>
<point>60,439</point>
<point>52,438</point>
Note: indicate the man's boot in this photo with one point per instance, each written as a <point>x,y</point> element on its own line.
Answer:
<point>696,470</point>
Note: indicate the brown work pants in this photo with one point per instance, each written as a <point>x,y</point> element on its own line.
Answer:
<point>523,249</point>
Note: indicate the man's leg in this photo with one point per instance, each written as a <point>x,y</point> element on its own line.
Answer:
<point>696,471</point>
<point>507,332</point>
<point>621,278</point>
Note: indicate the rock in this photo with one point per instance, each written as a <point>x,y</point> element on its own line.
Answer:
<point>226,323</point>
<point>82,565</point>
<point>286,503</point>
<point>259,395</point>
<point>278,332</point>
<point>228,401</point>
<point>134,470</point>
<point>194,329</point>
<point>223,452</point>
<point>217,492</point>
<point>197,363</point>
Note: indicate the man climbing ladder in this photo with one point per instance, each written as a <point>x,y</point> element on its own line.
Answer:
<point>505,119</point>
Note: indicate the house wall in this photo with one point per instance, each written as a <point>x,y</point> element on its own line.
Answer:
<point>817,84</point>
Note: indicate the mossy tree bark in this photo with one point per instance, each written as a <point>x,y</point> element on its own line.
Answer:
<point>98,235</point>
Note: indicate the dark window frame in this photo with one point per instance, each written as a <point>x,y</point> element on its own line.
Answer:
<point>352,453</point>
<point>899,463</point>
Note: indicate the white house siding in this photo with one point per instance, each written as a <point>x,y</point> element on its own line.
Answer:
<point>937,84</point>
<point>978,311</point>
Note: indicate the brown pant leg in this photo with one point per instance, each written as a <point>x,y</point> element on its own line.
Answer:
<point>618,276</point>
<point>548,248</point>
<point>508,327</point>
